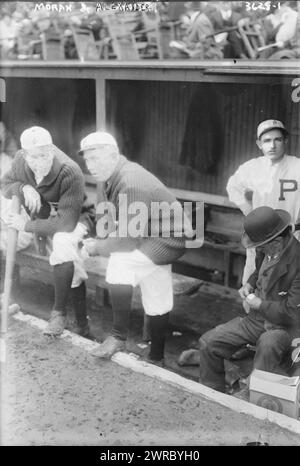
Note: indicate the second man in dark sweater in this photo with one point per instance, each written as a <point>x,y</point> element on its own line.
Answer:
<point>140,227</point>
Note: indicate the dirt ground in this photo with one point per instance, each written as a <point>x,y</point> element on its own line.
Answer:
<point>190,318</point>
<point>56,394</point>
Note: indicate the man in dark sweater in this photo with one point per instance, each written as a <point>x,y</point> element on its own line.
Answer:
<point>50,185</point>
<point>140,250</point>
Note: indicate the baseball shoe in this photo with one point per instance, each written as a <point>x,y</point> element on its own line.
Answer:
<point>189,357</point>
<point>12,308</point>
<point>109,347</point>
<point>82,330</point>
<point>156,362</point>
<point>56,324</point>
<point>243,394</point>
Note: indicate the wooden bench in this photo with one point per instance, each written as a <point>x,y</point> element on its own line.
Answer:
<point>221,258</point>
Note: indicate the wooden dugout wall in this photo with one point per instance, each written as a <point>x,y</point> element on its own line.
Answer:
<point>192,124</point>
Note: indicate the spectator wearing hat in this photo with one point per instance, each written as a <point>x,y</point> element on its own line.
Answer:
<point>206,24</point>
<point>272,296</point>
<point>272,179</point>
<point>50,186</point>
<point>200,34</point>
<point>143,259</point>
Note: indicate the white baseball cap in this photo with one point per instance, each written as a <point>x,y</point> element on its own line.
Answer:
<point>96,139</point>
<point>268,125</point>
<point>34,137</point>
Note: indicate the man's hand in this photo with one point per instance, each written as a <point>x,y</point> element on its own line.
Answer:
<point>32,199</point>
<point>245,290</point>
<point>90,246</point>
<point>80,231</point>
<point>253,301</point>
<point>246,306</point>
<point>16,221</point>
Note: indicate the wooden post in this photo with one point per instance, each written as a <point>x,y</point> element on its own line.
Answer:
<point>100,120</point>
<point>12,238</point>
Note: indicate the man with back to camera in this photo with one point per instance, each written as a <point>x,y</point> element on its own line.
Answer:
<point>141,260</point>
<point>272,179</point>
<point>50,185</point>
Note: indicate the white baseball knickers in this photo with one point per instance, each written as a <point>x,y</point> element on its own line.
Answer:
<point>65,249</point>
<point>155,281</point>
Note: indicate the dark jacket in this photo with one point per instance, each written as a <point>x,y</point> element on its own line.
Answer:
<point>282,306</point>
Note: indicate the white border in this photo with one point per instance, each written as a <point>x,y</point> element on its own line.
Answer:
<point>133,362</point>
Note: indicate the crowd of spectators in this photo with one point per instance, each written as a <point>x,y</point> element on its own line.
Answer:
<point>198,30</point>
<point>240,29</point>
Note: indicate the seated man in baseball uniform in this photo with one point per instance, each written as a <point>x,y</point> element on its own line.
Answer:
<point>272,179</point>
<point>50,186</point>
<point>138,252</point>
<point>272,298</point>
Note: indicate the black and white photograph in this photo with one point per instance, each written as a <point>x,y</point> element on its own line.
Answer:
<point>150,226</point>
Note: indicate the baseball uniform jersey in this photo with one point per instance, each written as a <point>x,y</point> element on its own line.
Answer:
<point>274,185</point>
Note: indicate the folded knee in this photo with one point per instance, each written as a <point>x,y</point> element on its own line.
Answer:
<point>63,249</point>
<point>207,341</point>
<point>278,339</point>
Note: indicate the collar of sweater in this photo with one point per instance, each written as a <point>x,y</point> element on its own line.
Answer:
<point>54,171</point>
<point>52,175</point>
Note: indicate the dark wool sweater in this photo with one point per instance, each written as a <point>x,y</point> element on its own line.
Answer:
<point>141,186</point>
<point>62,188</point>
